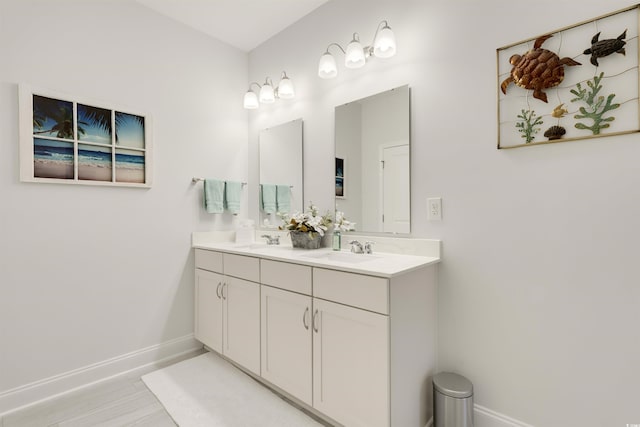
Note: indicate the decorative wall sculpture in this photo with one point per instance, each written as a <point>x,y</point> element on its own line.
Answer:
<point>575,83</point>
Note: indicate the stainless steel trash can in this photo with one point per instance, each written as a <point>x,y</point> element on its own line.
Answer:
<point>452,400</point>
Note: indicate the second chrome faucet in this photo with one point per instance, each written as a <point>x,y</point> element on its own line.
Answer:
<point>272,240</point>
<point>359,248</point>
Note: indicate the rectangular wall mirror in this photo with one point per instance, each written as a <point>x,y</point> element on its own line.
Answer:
<point>372,151</point>
<point>280,171</point>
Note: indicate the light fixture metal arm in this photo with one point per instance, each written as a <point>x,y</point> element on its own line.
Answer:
<point>368,50</point>
<point>386,24</point>
<point>335,44</point>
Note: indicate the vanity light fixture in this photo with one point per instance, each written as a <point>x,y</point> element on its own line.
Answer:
<point>268,93</point>
<point>327,68</point>
<point>355,56</point>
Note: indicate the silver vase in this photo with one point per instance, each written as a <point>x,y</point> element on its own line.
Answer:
<point>305,239</point>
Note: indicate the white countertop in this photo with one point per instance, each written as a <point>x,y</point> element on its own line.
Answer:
<point>376,264</point>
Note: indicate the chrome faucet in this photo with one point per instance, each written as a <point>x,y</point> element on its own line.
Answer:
<point>272,240</point>
<point>356,247</point>
<point>368,247</point>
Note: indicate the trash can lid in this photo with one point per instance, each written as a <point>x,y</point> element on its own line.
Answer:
<point>453,385</point>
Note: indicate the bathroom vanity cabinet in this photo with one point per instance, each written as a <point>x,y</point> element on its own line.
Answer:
<point>228,306</point>
<point>351,367</point>
<point>287,327</point>
<point>355,345</point>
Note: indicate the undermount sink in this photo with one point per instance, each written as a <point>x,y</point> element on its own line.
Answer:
<point>344,257</point>
<point>250,245</point>
<point>258,245</point>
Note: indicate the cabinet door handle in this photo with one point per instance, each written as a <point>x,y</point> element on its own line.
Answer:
<point>304,319</point>
<point>313,321</point>
<point>218,290</point>
<point>224,286</point>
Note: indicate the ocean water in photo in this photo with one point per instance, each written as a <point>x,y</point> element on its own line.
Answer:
<point>47,150</point>
<point>130,166</point>
<point>52,159</point>
<point>90,156</point>
<point>55,159</point>
<point>94,163</point>
<point>130,161</point>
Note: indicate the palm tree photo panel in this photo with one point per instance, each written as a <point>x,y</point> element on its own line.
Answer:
<point>576,83</point>
<point>65,140</point>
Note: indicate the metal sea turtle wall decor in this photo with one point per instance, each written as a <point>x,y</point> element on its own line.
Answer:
<point>602,48</point>
<point>576,83</point>
<point>537,69</point>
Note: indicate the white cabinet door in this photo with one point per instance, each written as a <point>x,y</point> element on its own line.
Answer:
<point>286,341</point>
<point>351,364</point>
<point>208,309</point>
<point>241,322</point>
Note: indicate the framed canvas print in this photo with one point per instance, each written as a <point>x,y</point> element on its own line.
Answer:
<point>64,139</point>
<point>575,83</point>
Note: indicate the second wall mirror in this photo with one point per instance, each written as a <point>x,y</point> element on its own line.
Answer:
<point>372,155</point>
<point>280,171</point>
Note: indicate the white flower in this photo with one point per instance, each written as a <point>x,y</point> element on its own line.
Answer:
<point>308,221</point>
<point>342,224</point>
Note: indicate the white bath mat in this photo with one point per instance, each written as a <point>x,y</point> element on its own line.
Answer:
<point>208,391</point>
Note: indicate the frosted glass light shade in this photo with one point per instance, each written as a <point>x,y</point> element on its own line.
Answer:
<point>250,100</point>
<point>267,95</point>
<point>354,57</point>
<point>327,67</point>
<point>285,88</point>
<point>384,45</point>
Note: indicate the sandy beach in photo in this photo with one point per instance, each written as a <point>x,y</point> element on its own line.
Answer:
<point>52,169</point>
<point>128,174</point>
<point>94,172</point>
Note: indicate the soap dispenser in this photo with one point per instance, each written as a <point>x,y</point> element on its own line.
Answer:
<point>337,240</point>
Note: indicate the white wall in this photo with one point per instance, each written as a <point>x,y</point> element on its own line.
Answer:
<point>539,289</point>
<point>90,273</point>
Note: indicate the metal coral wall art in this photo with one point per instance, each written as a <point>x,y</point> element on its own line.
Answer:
<point>575,83</point>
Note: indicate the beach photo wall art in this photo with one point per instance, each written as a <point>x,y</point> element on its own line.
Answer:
<point>66,140</point>
<point>576,83</point>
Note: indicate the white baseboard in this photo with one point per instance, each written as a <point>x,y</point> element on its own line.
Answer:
<point>47,388</point>
<point>485,417</point>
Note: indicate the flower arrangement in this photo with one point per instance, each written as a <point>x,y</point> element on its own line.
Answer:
<point>307,228</point>
<point>341,223</point>
<point>307,222</point>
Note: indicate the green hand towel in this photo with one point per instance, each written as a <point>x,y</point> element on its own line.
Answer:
<point>232,195</point>
<point>268,192</point>
<point>283,198</point>
<point>213,195</point>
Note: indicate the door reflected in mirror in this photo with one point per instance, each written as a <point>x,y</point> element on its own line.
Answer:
<point>281,185</point>
<point>372,151</point>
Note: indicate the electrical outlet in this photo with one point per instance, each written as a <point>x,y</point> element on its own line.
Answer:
<point>434,209</point>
